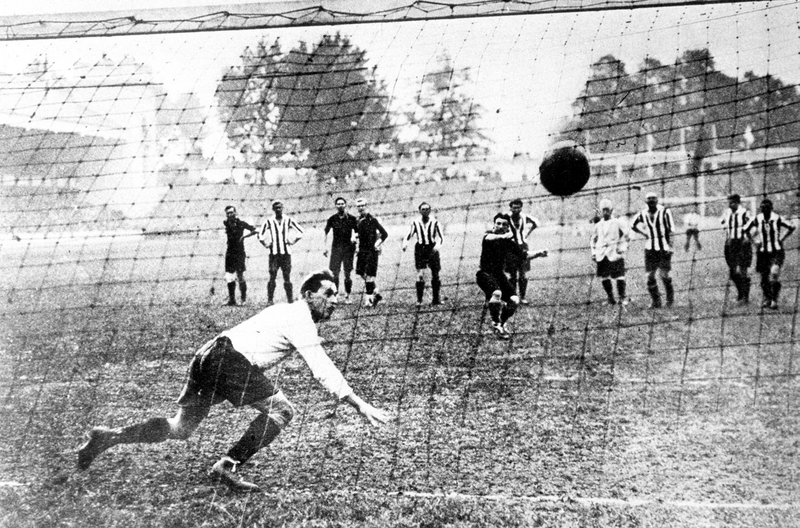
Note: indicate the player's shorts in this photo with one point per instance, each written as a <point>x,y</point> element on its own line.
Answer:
<point>218,372</point>
<point>490,283</point>
<point>692,232</point>
<point>655,259</point>
<point>342,257</point>
<point>612,269</point>
<point>738,253</point>
<point>281,262</point>
<point>426,257</point>
<point>235,262</point>
<point>766,259</point>
<point>367,264</point>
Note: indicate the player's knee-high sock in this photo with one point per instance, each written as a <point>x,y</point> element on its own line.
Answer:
<point>523,286</point>
<point>670,289</point>
<point>652,289</point>
<point>735,279</point>
<point>776,290</point>
<point>151,431</point>
<point>260,433</point>
<point>494,311</point>
<point>243,290</point>
<point>288,288</point>
<point>508,310</point>
<point>420,290</point>
<point>609,290</point>
<point>348,285</point>
<point>271,289</point>
<point>766,288</point>
<point>369,287</point>
<point>436,287</point>
<point>232,292</point>
<point>745,288</point>
<point>621,288</point>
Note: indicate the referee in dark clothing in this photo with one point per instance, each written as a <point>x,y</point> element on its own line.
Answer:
<point>235,255</point>
<point>343,248</point>
<point>371,235</point>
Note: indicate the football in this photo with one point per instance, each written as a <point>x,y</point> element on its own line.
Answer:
<point>564,169</point>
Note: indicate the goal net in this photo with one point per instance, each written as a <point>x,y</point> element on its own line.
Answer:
<point>125,135</point>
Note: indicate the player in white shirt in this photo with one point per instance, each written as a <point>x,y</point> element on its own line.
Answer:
<point>231,367</point>
<point>609,243</point>
<point>691,222</point>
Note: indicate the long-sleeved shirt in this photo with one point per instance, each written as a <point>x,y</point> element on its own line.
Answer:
<point>278,233</point>
<point>269,338</point>
<point>658,227</point>
<point>770,231</point>
<point>496,252</point>
<point>368,230</point>
<point>234,229</point>
<point>609,240</point>
<point>734,222</point>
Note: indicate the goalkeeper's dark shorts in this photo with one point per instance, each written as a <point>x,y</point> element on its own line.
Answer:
<point>218,372</point>
<point>491,282</point>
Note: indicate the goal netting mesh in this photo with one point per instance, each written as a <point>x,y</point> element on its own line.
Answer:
<point>123,137</point>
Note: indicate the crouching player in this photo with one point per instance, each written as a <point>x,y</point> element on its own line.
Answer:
<point>230,367</point>
<point>497,248</point>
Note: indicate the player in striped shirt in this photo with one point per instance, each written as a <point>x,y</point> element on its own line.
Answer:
<point>658,228</point>
<point>738,250</point>
<point>428,234</point>
<point>275,236</point>
<point>522,225</point>
<point>772,231</point>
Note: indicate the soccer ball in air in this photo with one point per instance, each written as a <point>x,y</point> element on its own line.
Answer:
<point>564,169</point>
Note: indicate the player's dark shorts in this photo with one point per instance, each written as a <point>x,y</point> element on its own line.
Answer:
<point>692,232</point>
<point>490,283</point>
<point>516,264</point>
<point>611,268</point>
<point>426,257</point>
<point>342,256</point>
<point>234,262</point>
<point>766,259</point>
<point>738,253</point>
<point>367,264</point>
<point>655,259</point>
<point>281,262</point>
<point>218,372</point>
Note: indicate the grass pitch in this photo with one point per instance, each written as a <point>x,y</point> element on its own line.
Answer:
<point>590,416</point>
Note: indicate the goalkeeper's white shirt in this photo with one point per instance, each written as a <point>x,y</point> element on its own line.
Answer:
<point>269,338</point>
<point>609,240</point>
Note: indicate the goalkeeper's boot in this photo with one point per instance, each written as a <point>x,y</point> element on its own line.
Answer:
<point>100,439</point>
<point>224,470</point>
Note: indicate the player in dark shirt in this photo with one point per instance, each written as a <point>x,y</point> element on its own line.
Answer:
<point>497,248</point>
<point>343,248</point>
<point>371,235</point>
<point>235,256</point>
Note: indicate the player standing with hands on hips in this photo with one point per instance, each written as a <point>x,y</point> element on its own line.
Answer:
<point>609,243</point>
<point>235,256</point>
<point>658,229</point>
<point>230,367</point>
<point>343,248</point>
<point>275,236</point>
<point>772,231</point>
<point>428,234</point>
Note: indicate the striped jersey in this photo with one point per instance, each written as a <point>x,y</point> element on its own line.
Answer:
<point>658,227</point>
<point>521,226</point>
<point>278,231</point>
<point>769,231</point>
<point>734,222</point>
<point>426,233</point>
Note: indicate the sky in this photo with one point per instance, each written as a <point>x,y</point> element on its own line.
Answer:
<point>525,71</point>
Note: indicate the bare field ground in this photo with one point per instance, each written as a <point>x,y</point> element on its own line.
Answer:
<point>590,416</point>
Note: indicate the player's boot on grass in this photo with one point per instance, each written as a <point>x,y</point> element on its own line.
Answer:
<point>376,299</point>
<point>500,331</point>
<point>99,441</point>
<point>224,470</point>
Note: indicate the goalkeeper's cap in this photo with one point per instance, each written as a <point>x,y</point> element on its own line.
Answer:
<point>650,195</point>
<point>605,203</point>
